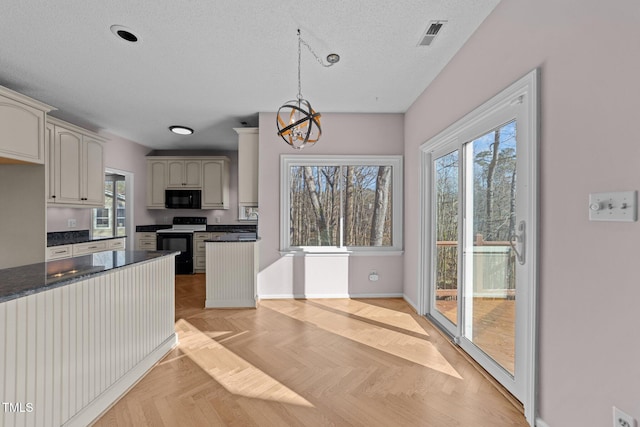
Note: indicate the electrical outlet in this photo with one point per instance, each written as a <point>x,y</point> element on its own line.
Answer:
<point>373,276</point>
<point>71,223</point>
<point>622,419</point>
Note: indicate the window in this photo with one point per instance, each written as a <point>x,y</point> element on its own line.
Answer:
<point>345,202</point>
<point>110,220</point>
<point>101,218</point>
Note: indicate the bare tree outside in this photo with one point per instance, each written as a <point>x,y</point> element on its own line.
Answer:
<point>333,205</point>
<point>380,205</point>
<point>493,198</point>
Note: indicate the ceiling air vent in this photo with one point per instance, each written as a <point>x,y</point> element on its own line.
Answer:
<point>431,33</point>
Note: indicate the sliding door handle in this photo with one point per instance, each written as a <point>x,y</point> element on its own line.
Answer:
<point>518,242</point>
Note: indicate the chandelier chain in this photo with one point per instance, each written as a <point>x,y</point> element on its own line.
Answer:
<point>320,61</point>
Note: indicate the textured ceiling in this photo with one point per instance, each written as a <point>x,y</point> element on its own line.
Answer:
<point>211,64</point>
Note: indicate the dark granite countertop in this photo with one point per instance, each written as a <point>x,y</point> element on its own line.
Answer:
<point>151,228</point>
<point>58,238</point>
<point>25,280</point>
<point>225,228</point>
<point>235,237</point>
<point>233,228</point>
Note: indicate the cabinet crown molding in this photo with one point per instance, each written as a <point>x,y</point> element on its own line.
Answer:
<point>11,94</point>
<point>76,128</point>
<point>246,130</point>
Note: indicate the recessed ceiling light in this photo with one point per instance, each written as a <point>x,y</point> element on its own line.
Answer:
<point>124,33</point>
<point>181,130</point>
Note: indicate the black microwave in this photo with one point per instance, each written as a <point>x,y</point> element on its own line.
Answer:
<point>182,199</point>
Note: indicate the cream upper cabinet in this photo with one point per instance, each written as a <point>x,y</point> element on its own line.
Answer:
<point>210,174</point>
<point>156,183</point>
<point>215,188</point>
<point>50,161</point>
<point>67,148</point>
<point>247,166</point>
<point>184,174</point>
<point>92,160</point>
<point>22,128</point>
<point>75,166</point>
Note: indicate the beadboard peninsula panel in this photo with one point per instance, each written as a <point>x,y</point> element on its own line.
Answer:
<point>231,274</point>
<point>71,351</point>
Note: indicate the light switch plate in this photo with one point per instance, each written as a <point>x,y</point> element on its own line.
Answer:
<point>613,206</point>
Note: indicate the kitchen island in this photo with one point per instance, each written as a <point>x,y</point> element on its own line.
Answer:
<point>79,332</point>
<point>232,271</point>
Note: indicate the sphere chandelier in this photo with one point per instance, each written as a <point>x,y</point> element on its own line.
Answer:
<point>298,123</point>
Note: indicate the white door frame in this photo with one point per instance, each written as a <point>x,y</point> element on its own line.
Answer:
<point>523,93</point>
<point>130,227</point>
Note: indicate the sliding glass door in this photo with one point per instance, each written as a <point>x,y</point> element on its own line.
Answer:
<point>489,273</point>
<point>480,184</point>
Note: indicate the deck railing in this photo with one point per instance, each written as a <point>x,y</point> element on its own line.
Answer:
<point>493,269</point>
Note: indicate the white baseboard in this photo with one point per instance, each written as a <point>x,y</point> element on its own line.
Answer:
<point>411,303</point>
<point>276,296</point>
<point>111,395</point>
<point>540,423</point>
<point>390,295</point>
<point>237,303</point>
<point>327,296</point>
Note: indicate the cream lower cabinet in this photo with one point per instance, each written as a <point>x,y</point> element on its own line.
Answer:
<point>89,247</point>
<point>75,166</point>
<point>146,241</point>
<point>199,248</point>
<point>59,252</point>
<point>22,128</point>
<point>117,244</point>
<point>86,248</point>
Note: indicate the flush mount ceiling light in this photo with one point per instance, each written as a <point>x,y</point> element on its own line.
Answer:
<point>124,33</point>
<point>298,123</point>
<point>181,130</point>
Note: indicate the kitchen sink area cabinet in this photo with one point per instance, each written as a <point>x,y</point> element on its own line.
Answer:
<point>215,183</point>
<point>184,173</point>
<point>59,252</point>
<point>118,244</point>
<point>22,128</point>
<point>75,166</point>
<point>89,247</point>
<point>85,248</point>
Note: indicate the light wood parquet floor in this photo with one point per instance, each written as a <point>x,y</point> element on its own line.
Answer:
<point>494,331</point>
<point>365,362</point>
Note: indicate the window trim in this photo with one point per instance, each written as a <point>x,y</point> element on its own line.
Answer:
<point>397,176</point>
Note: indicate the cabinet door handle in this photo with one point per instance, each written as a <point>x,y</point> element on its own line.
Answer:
<point>61,251</point>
